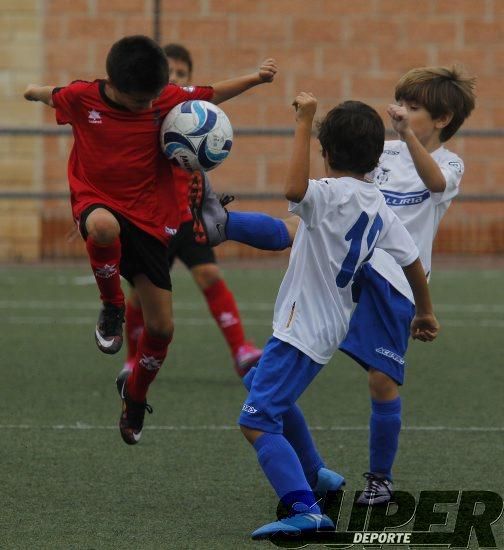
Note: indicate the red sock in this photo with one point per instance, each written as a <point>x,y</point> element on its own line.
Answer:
<point>223,307</point>
<point>105,265</point>
<point>149,358</point>
<point>134,326</point>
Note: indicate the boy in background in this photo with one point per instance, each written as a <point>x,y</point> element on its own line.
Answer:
<point>418,177</point>
<point>123,197</point>
<point>200,260</point>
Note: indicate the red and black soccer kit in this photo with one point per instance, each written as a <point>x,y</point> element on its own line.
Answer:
<point>116,162</point>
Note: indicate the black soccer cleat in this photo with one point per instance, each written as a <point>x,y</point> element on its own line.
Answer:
<point>208,212</point>
<point>109,329</point>
<point>133,413</point>
<point>377,492</point>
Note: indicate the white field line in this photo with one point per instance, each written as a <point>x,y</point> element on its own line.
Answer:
<point>225,428</point>
<point>197,306</point>
<point>208,321</point>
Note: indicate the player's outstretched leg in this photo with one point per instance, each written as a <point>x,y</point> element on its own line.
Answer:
<point>208,212</point>
<point>213,224</point>
<point>133,412</point>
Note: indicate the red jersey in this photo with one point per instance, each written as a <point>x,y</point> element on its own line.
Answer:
<point>116,159</point>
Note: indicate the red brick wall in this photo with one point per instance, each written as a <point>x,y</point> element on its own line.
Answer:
<point>337,49</point>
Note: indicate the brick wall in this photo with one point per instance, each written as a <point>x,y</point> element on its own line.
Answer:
<point>21,61</point>
<point>337,49</point>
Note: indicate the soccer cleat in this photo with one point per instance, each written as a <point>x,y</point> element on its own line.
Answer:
<point>327,480</point>
<point>133,413</point>
<point>109,329</point>
<point>208,212</point>
<point>245,358</point>
<point>378,490</point>
<point>296,525</point>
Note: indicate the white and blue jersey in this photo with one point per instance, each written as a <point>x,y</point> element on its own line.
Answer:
<point>419,209</point>
<point>342,221</point>
<point>379,329</point>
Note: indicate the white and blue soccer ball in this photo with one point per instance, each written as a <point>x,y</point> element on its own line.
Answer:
<point>196,135</point>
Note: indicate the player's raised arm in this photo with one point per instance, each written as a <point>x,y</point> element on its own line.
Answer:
<point>34,92</point>
<point>427,168</point>
<point>226,89</point>
<point>296,182</point>
<point>424,326</point>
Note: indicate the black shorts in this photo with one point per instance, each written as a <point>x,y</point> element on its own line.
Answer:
<point>141,253</point>
<point>184,246</point>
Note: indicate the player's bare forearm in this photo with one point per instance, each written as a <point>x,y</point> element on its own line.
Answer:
<point>298,172</point>
<point>424,325</point>
<point>227,89</point>
<point>34,92</point>
<point>425,165</point>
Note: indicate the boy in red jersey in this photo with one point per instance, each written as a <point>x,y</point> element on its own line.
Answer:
<point>123,198</point>
<point>199,259</point>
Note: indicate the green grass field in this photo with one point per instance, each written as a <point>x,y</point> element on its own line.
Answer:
<point>69,482</point>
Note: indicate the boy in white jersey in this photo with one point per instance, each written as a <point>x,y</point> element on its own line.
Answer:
<point>343,217</point>
<point>418,178</point>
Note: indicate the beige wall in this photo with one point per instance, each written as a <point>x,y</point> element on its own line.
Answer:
<point>21,169</point>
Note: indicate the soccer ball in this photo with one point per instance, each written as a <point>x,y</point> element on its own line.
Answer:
<point>196,135</point>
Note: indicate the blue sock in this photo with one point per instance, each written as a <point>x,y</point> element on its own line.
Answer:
<point>297,434</point>
<point>281,465</point>
<point>384,425</point>
<point>257,230</point>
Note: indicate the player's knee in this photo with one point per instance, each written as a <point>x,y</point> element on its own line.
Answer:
<point>250,434</point>
<point>381,386</point>
<point>159,328</point>
<point>206,275</point>
<point>102,226</point>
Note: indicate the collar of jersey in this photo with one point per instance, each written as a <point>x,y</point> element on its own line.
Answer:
<point>108,101</point>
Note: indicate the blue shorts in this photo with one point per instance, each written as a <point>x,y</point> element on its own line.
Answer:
<point>380,325</point>
<point>281,376</point>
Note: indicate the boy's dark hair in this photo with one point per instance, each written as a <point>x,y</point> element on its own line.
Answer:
<point>352,136</point>
<point>180,53</point>
<point>441,91</point>
<point>137,64</point>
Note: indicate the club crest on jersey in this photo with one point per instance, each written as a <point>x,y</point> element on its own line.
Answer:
<point>94,117</point>
<point>382,176</point>
<point>456,165</point>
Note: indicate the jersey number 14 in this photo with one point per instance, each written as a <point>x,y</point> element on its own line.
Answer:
<point>355,236</point>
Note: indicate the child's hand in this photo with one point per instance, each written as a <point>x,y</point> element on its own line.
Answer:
<point>268,70</point>
<point>399,117</point>
<point>306,105</point>
<point>424,327</point>
<point>30,92</point>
